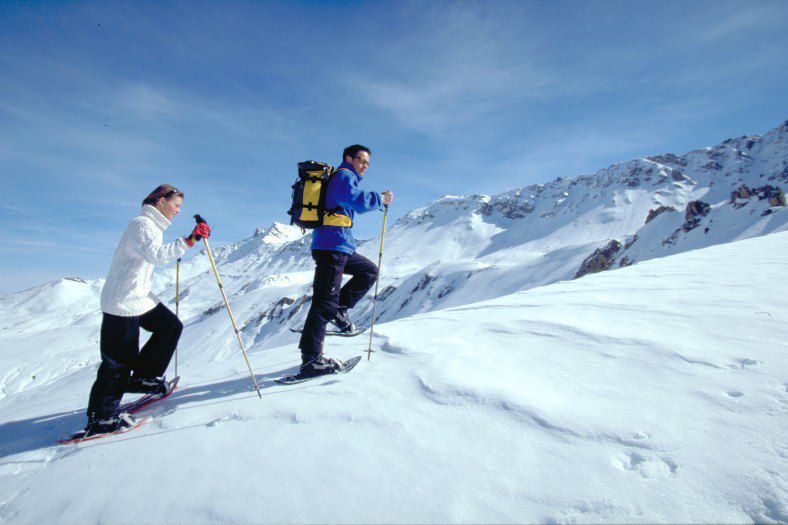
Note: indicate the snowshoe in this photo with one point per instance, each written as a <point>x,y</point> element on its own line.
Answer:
<point>99,428</point>
<point>138,404</point>
<point>319,367</point>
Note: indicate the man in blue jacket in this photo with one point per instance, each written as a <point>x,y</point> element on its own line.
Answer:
<point>334,252</point>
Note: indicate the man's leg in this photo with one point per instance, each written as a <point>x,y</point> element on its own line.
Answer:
<point>156,354</point>
<point>325,298</point>
<point>120,339</point>
<point>364,274</point>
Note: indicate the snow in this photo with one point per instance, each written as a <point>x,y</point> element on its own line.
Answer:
<point>654,393</point>
<point>500,390</point>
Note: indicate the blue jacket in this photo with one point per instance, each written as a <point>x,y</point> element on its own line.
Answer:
<point>343,191</point>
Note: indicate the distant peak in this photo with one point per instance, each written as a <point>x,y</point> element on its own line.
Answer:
<point>278,233</point>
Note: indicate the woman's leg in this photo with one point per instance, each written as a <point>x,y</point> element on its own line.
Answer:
<point>120,339</point>
<point>156,354</point>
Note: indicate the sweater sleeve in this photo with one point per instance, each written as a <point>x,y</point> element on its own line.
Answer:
<point>148,245</point>
<point>349,195</point>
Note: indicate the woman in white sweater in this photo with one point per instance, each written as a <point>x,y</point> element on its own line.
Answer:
<point>128,305</point>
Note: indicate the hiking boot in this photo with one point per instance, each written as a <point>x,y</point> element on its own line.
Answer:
<point>104,426</point>
<point>320,366</point>
<point>342,321</point>
<point>147,385</point>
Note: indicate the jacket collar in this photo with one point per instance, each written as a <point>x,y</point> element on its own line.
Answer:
<point>348,166</point>
<point>155,215</point>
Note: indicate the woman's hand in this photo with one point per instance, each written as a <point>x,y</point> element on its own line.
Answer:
<point>202,230</point>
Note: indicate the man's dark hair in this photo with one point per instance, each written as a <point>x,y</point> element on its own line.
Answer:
<point>353,151</point>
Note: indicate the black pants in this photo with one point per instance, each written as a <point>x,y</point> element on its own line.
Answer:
<point>327,296</point>
<point>121,355</point>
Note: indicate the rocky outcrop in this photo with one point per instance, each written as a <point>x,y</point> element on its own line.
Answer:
<point>213,309</point>
<point>652,214</point>
<point>298,305</point>
<point>773,194</point>
<point>602,259</point>
<point>509,208</point>
<point>274,311</point>
<point>743,192</point>
<point>423,282</point>
<point>668,158</point>
<point>695,210</point>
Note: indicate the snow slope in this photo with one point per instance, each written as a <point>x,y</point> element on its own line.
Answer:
<point>653,393</point>
<point>456,251</point>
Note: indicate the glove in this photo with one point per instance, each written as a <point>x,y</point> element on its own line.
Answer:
<point>201,230</point>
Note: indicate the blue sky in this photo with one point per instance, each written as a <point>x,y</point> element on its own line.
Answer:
<point>102,101</point>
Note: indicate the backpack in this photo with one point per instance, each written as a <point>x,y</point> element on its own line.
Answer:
<point>308,209</point>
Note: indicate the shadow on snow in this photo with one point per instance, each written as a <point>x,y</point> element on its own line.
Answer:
<point>41,432</point>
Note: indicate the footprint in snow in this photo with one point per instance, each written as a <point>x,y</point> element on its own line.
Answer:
<point>649,467</point>
<point>236,416</point>
<point>742,363</point>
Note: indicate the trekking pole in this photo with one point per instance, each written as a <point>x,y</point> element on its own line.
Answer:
<point>227,304</point>
<point>177,298</point>
<point>377,281</point>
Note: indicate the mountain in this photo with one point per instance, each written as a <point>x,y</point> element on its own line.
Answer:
<point>653,393</point>
<point>458,250</point>
<point>515,377</point>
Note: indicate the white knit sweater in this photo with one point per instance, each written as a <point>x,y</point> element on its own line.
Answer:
<point>127,290</point>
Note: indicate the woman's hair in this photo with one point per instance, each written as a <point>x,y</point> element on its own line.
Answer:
<point>167,191</point>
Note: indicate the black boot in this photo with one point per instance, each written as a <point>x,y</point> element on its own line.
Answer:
<point>121,421</point>
<point>319,366</point>
<point>147,385</point>
<point>342,321</point>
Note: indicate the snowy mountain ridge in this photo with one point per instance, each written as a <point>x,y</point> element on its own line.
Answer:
<point>464,249</point>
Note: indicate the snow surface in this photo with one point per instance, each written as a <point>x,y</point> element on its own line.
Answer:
<point>653,393</point>
<point>500,392</point>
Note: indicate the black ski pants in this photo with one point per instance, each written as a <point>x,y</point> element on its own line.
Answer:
<point>121,355</point>
<point>328,296</point>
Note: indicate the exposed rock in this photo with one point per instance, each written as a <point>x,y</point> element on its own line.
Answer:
<point>509,208</point>
<point>276,309</point>
<point>668,158</point>
<point>388,290</point>
<point>695,210</point>
<point>599,261</point>
<point>625,261</point>
<point>213,309</point>
<point>743,192</point>
<point>423,283</point>
<point>272,312</point>
<point>773,194</point>
<point>298,305</point>
<point>678,176</point>
<point>446,290</point>
<point>712,166</point>
<point>652,214</point>
<point>627,245</point>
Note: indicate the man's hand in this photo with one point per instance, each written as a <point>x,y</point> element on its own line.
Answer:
<point>388,197</point>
